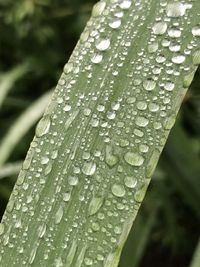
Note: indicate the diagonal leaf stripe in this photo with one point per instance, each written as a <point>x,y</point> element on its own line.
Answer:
<point>97,145</point>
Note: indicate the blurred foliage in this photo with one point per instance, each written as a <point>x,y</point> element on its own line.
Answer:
<point>37,38</point>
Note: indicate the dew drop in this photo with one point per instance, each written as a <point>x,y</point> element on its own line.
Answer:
<point>59,215</point>
<point>89,168</point>
<point>134,159</point>
<point>178,59</point>
<point>43,126</point>
<point>95,205</point>
<point>151,165</point>
<point>169,122</point>
<point>73,180</point>
<point>118,190</point>
<point>130,182</point>
<point>139,194</point>
<point>159,28</point>
<point>196,57</point>
<point>196,30</point>
<point>67,108</point>
<point>98,8</point>
<point>102,44</point>
<point>1,228</point>
<point>149,85</point>
<point>115,23</point>
<point>141,121</point>
<point>125,4</point>
<point>175,10</point>
<point>97,58</point>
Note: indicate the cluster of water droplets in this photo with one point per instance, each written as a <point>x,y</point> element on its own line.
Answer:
<point>102,134</point>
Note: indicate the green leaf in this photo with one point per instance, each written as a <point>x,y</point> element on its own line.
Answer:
<point>96,147</point>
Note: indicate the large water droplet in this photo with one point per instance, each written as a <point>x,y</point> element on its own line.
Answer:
<point>95,205</point>
<point>196,30</point>
<point>89,168</point>
<point>133,159</point>
<point>159,28</point>
<point>103,44</point>
<point>130,182</point>
<point>118,190</point>
<point>43,126</point>
<point>141,121</point>
<point>176,9</point>
<point>149,85</point>
<point>98,8</point>
<point>97,58</point>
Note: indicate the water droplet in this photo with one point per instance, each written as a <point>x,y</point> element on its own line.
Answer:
<point>71,253</point>
<point>178,59</point>
<point>169,122</point>
<point>118,190</point>
<point>159,28</point>
<point>1,228</point>
<point>59,215</point>
<point>175,10</point>
<point>125,4</point>
<point>103,44</point>
<point>196,57</point>
<point>95,226</point>
<point>149,85</point>
<point>188,79</point>
<point>66,196</point>
<point>151,165</point>
<point>110,159</point>
<point>73,180</point>
<point>174,32</point>
<point>134,159</point>
<point>130,182</point>
<point>169,86</point>
<point>97,58</point>
<point>43,126</point>
<point>152,48</point>
<point>196,30</point>
<point>98,8</point>
<point>95,205</point>
<point>141,121</point>
<point>141,105</point>
<point>67,108</point>
<point>115,23</point>
<point>139,194</point>
<point>89,168</point>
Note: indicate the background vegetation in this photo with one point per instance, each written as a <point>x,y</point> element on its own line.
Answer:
<point>37,38</point>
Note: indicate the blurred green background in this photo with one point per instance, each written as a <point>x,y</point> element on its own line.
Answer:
<point>36,39</point>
